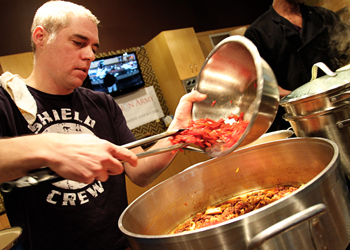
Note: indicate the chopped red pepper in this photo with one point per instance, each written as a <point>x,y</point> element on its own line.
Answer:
<point>213,103</point>
<point>206,132</point>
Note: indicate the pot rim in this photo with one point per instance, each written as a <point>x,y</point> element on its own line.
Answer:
<point>289,117</point>
<point>303,99</point>
<point>239,221</point>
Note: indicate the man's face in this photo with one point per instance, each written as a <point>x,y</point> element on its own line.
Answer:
<point>69,55</point>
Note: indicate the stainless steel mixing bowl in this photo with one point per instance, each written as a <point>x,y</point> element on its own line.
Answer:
<point>237,79</point>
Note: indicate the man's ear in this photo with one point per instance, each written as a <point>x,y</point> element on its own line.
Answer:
<point>39,36</point>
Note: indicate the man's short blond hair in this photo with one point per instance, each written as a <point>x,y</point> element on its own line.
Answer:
<point>55,15</point>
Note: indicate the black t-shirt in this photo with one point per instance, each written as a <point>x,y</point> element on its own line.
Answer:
<point>292,53</point>
<point>67,214</point>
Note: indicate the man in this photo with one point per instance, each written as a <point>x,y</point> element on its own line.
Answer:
<point>81,212</point>
<point>291,37</point>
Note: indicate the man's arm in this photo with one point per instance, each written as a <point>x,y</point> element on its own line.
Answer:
<point>79,157</point>
<point>84,157</point>
<point>150,167</point>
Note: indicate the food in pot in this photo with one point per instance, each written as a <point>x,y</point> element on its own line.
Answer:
<point>234,207</point>
<point>206,132</point>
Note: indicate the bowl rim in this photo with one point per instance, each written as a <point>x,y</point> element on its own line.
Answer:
<point>258,62</point>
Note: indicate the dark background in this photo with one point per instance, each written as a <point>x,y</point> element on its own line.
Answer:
<point>131,23</point>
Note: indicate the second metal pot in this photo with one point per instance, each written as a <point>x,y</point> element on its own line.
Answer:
<point>321,108</point>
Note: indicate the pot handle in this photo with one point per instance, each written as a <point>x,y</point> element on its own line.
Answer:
<point>343,124</point>
<point>340,97</point>
<point>286,224</point>
<point>323,67</point>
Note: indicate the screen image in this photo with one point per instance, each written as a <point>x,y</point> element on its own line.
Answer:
<point>116,75</point>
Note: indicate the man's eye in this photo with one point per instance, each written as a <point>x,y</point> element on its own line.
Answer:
<point>77,43</point>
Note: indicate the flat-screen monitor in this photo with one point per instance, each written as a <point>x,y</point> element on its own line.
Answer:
<point>116,75</point>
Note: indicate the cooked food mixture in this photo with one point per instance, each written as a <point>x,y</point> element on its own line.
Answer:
<point>206,132</point>
<point>234,207</point>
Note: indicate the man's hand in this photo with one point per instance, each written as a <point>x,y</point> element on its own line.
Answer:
<point>183,113</point>
<point>78,157</point>
<point>283,92</point>
<point>152,166</point>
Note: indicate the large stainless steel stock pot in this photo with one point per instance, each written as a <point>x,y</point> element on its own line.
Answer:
<point>321,108</point>
<point>314,217</point>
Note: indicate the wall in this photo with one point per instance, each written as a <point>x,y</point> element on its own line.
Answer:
<point>21,64</point>
<point>205,42</point>
<point>126,24</point>
<point>333,5</point>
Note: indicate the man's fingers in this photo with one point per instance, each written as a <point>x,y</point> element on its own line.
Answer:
<point>123,154</point>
